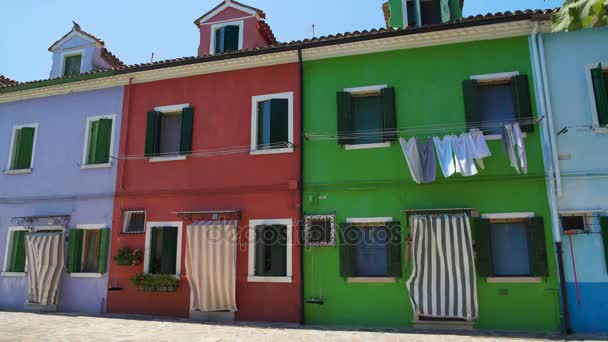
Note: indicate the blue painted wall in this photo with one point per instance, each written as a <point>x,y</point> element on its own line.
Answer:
<point>584,168</point>
<point>57,185</point>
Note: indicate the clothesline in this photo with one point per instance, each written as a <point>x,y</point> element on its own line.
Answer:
<point>417,130</point>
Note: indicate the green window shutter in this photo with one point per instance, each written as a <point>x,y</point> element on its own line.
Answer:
<point>93,134</point>
<point>345,118</point>
<point>104,244</point>
<point>278,251</point>
<point>16,145</point>
<point>169,256</point>
<point>394,250</point>
<point>279,117</point>
<point>156,234</point>
<point>18,252</point>
<point>523,105</point>
<point>601,94</point>
<point>537,247</point>
<point>390,115</point>
<point>185,144</point>
<point>347,247</point>
<point>484,261</point>
<point>604,225</point>
<point>219,40</point>
<point>260,251</point>
<point>263,112</point>
<point>153,134</point>
<point>231,38</point>
<point>104,136</point>
<point>26,147</point>
<point>74,250</point>
<point>470,94</point>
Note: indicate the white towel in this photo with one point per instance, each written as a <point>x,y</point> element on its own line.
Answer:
<point>445,154</point>
<point>521,148</point>
<point>478,146</point>
<point>412,157</point>
<point>464,157</point>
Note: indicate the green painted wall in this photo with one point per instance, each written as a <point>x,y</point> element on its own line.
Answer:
<point>377,183</point>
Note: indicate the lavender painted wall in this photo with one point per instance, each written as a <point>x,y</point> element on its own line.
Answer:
<point>57,185</point>
<point>91,55</point>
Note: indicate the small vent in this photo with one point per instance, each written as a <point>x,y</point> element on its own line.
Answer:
<point>320,230</point>
<point>572,224</point>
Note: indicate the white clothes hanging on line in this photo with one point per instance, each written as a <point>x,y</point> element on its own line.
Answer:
<point>512,137</point>
<point>521,148</point>
<point>412,157</point>
<point>464,156</point>
<point>479,147</point>
<point>427,160</point>
<point>445,154</point>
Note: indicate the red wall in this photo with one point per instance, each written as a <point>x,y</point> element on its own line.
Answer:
<point>257,184</point>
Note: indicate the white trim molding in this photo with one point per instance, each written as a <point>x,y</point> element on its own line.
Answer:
<point>87,137</point>
<point>495,77</point>
<point>217,26</point>
<point>514,280</point>
<point>178,257</point>
<point>71,53</point>
<point>369,219</point>
<point>251,277</point>
<point>160,159</point>
<point>367,146</point>
<point>172,108</point>
<point>9,166</point>
<point>92,226</point>
<point>8,246</point>
<point>227,4</point>
<point>12,274</point>
<point>254,122</point>
<point>366,90</point>
<point>85,275</point>
<point>368,280</point>
<point>503,216</point>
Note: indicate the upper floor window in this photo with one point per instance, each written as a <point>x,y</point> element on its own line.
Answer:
<point>169,131</point>
<point>21,155</point>
<point>98,140</point>
<point>227,37</point>
<point>366,116</point>
<point>72,64</point>
<point>272,123</point>
<point>134,221</point>
<point>599,80</point>
<point>493,100</point>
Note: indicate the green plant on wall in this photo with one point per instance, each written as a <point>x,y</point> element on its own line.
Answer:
<point>155,282</point>
<point>578,14</point>
<point>127,256</point>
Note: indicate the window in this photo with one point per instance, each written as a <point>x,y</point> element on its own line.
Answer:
<point>510,247</point>
<point>169,131</point>
<point>88,250</point>
<point>21,155</point>
<point>320,230</point>
<point>270,250</point>
<point>599,81</point>
<point>573,224</point>
<point>370,248</point>
<point>15,251</point>
<point>272,123</point>
<point>98,140</point>
<point>163,248</point>
<point>430,11</point>
<point>227,37</point>
<point>491,100</point>
<point>366,116</point>
<point>134,221</point>
<point>71,65</point>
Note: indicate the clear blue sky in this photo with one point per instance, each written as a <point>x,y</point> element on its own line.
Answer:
<point>133,29</point>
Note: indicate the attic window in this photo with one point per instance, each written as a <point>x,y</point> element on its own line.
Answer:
<point>227,37</point>
<point>71,65</point>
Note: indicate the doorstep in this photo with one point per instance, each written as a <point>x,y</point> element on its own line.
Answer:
<point>444,325</point>
<point>216,316</point>
<point>40,308</point>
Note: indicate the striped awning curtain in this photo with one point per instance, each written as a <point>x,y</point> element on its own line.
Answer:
<point>44,267</point>
<point>211,265</point>
<point>442,284</point>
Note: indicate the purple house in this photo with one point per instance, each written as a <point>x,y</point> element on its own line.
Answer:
<point>57,184</point>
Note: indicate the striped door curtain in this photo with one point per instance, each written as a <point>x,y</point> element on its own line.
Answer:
<point>44,267</point>
<point>442,284</point>
<point>211,265</point>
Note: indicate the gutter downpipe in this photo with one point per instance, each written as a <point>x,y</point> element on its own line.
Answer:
<point>551,166</point>
<point>301,223</point>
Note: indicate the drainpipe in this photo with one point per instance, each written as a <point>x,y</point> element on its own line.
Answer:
<point>301,223</point>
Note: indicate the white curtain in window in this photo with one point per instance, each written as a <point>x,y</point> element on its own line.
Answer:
<point>44,253</point>
<point>442,284</point>
<point>211,265</point>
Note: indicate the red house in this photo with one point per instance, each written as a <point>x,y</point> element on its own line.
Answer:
<point>208,182</point>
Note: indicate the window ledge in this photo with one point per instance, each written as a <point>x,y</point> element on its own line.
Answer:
<point>17,172</point>
<point>499,136</point>
<point>506,280</point>
<point>95,166</point>
<point>12,274</point>
<point>86,275</point>
<point>366,146</point>
<point>272,151</point>
<point>600,130</point>
<point>166,159</point>
<point>378,280</point>
<point>257,279</point>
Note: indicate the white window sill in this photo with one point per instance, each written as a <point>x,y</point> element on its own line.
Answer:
<point>272,151</point>
<point>95,166</point>
<point>510,280</point>
<point>378,280</point>
<point>366,146</point>
<point>86,275</point>
<point>166,159</point>
<point>499,136</point>
<point>256,279</point>
<point>12,274</point>
<point>17,172</point>
<point>176,276</point>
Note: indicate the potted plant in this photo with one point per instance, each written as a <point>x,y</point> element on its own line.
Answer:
<point>127,256</point>
<point>155,282</point>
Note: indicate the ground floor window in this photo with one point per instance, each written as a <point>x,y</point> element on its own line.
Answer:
<point>163,248</point>
<point>88,249</point>
<point>15,256</point>
<point>270,254</point>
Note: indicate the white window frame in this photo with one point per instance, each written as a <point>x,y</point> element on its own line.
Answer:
<point>215,27</point>
<point>592,101</point>
<point>71,53</point>
<point>8,248</point>
<point>12,148</point>
<point>124,222</point>
<point>251,277</point>
<point>380,220</point>
<point>87,138</point>
<point>178,252</point>
<point>489,78</point>
<point>374,91</point>
<point>98,226</point>
<point>254,123</point>
<point>171,109</point>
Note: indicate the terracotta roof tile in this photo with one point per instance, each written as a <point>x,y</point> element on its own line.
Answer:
<point>5,81</point>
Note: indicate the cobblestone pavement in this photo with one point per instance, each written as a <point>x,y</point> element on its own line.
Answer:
<point>16,326</point>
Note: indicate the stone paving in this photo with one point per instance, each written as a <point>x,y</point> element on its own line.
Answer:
<point>15,326</point>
